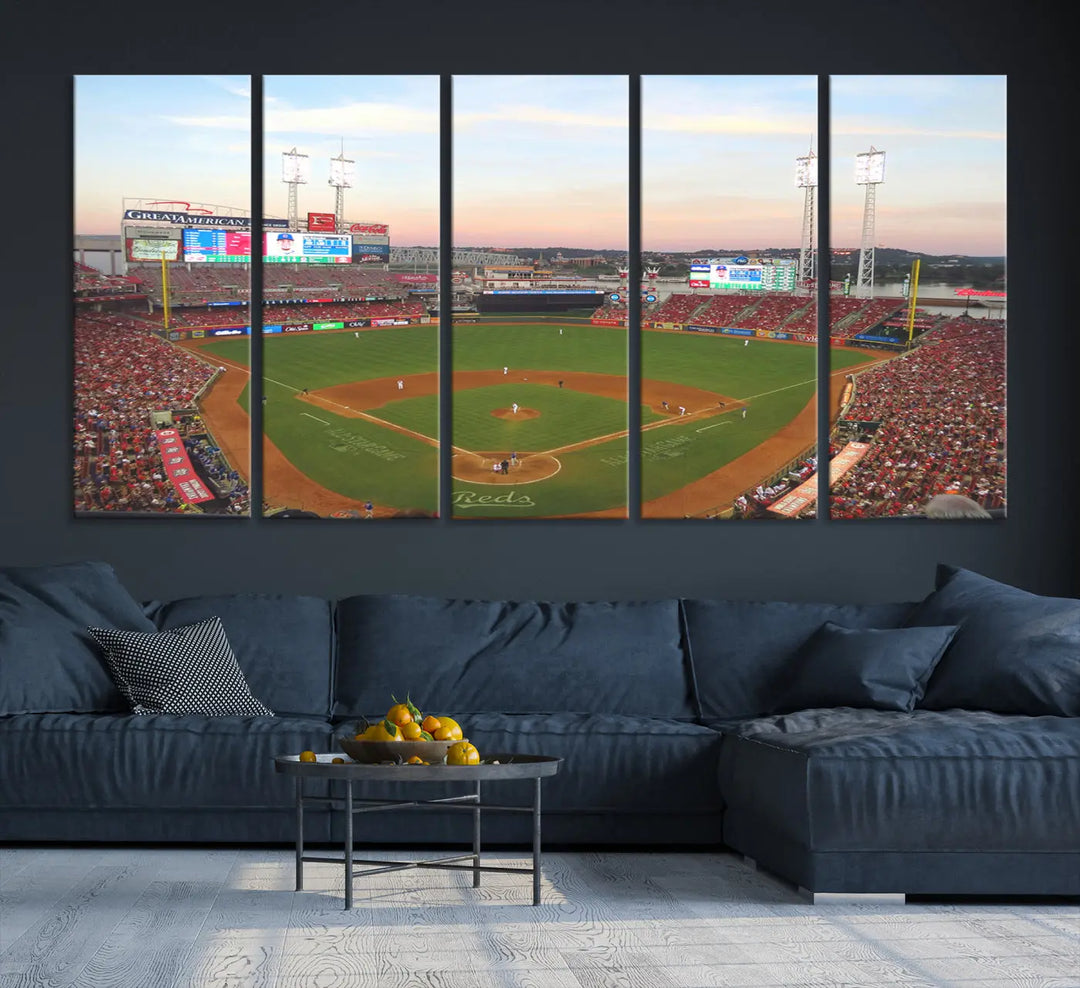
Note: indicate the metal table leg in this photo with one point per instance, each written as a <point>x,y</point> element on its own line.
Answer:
<point>536,842</point>
<point>348,844</point>
<point>476,840</point>
<point>299,833</point>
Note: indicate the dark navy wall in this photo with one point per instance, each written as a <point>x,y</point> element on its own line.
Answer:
<point>45,45</point>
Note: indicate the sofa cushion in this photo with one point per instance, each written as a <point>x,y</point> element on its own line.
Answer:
<point>462,656</point>
<point>283,643</point>
<point>121,762</point>
<point>188,670</point>
<point>740,650</point>
<point>48,661</point>
<point>863,667</point>
<point>869,780</point>
<point>613,763</point>
<point>1015,652</point>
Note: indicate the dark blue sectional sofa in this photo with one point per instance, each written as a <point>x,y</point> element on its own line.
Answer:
<point>674,718</point>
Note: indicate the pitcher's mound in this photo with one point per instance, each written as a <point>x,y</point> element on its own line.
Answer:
<point>509,413</point>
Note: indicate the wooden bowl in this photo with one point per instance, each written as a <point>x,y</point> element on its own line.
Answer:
<point>392,751</point>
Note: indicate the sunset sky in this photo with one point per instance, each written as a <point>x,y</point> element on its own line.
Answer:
<point>542,160</point>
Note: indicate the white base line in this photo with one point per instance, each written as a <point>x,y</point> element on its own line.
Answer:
<point>315,417</point>
<point>713,426</point>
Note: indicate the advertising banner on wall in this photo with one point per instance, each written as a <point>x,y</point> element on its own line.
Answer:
<point>805,494</point>
<point>178,468</point>
<point>371,253</point>
<point>322,222</point>
<point>198,219</point>
<point>416,279</point>
<point>152,250</point>
<point>381,229</point>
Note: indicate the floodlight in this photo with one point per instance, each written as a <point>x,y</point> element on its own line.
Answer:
<point>342,171</point>
<point>806,172</point>
<point>295,167</point>
<point>870,167</point>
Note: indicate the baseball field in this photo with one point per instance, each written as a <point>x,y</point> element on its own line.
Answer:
<point>339,431</point>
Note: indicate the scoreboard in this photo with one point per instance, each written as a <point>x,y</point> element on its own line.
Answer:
<point>217,245</point>
<point>743,275</point>
<point>234,246</point>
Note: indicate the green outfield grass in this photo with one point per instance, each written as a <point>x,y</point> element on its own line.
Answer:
<point>362,459</point>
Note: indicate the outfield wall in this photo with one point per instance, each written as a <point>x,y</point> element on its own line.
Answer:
<point>216,332</point>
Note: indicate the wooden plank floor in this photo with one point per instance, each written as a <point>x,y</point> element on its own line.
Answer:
<point>191,918</point>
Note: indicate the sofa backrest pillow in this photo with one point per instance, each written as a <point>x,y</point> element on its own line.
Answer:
<point>880,669</point>
<point>470,656</point>
<point>284,644</point>
<point>48,661</point>
<point>740,650</point>
<point>1015,652</point>
<point>189,670</point>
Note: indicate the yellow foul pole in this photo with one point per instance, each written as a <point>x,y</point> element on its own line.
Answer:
<point>914,295</point>
<point>165,288</point>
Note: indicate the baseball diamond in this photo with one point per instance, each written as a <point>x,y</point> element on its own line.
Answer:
<point>351,418</point>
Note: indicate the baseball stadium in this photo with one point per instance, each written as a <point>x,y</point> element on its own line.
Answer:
<point>728,395</point>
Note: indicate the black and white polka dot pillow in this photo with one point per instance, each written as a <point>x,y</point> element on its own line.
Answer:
<point>188,670</point>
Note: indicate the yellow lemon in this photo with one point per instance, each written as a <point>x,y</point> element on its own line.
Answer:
<point>308,756</point>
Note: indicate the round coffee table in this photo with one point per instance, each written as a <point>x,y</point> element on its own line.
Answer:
<point>535,767</point>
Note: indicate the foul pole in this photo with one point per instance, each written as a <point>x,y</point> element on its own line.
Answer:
<point>165,288</point>
<point>914,296</point>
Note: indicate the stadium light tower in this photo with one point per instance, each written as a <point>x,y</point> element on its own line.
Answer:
<point>869,171</point>
<point>295,169</point>
<point>806,179</point>
<point>342,170</point>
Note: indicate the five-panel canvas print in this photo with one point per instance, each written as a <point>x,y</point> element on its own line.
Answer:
<point>727,308</point>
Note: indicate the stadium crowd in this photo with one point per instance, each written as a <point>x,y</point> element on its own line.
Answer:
<point>193,283</point>
<point>936,422</point>
<point>90,281</point>
<point>122,374</point>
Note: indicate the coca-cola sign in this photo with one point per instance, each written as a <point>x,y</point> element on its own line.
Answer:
<point>382,229</point>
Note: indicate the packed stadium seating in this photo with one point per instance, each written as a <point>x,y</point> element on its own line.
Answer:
<point>90,281</point>
<point>866,316</point>
<point>941,410</point>
<point>723,310</point>
<point>122,373</point>
<point>611,310</point>
<point>772,312</point>
<point>198,282</point>
<point>678,308</point>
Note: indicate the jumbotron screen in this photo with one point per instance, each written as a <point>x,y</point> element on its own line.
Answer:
<point>736,277</point>
<point>284,247</point>
<point>740,275</point>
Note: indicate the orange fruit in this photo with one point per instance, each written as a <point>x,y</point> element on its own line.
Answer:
<point>385,730</point>
<point>337,761</point>
<point>399,714</point>
<point>462,753</point>
<point>449,730</point>
<point>431,724</point>
<point>308,756</point>
<point>411,731</point>
<point>417,760</point>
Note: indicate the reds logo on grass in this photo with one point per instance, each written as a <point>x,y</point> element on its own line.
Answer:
<point>511,499</point>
